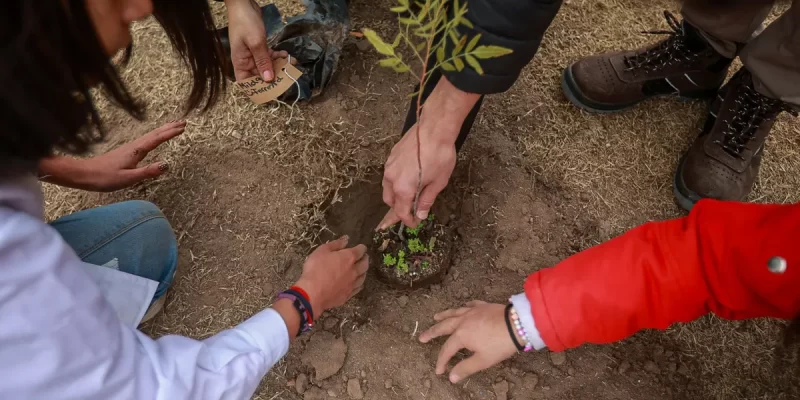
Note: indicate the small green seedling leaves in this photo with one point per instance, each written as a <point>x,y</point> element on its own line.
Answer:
<point>389,260</point>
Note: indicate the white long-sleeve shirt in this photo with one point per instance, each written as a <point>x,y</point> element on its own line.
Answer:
<point>61,339</point>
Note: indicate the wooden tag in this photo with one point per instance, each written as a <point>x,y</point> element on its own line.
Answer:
<point>261,92</point>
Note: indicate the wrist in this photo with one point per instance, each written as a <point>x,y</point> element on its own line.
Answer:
<point>291,318</point>
<point>446,109</point>
<point>65,171</point>
<point>314,296</point>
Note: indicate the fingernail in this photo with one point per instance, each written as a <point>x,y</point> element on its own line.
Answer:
<point>163,167</point>
<point>454,378</point>
<point>422,214</point>
<point>267,76</point>
<point>344,238</point>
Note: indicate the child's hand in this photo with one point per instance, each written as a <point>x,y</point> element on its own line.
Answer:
<point>478,327</point>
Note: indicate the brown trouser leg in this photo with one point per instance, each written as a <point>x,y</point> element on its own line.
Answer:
<point>773,56</point>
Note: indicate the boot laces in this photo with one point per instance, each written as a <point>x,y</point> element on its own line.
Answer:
<point>750,110</point>
<point>670,51</point>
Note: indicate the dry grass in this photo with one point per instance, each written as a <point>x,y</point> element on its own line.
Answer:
<point>246,188</point>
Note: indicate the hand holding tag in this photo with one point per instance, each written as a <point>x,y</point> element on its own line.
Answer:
<point>261,92</point>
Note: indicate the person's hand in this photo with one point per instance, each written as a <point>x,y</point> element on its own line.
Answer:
<point>478,327</point>
<point>401,173</point>
<point>117,169</point>
<point>440,123</point>
<point>250,54</point>
<point>333,273</point>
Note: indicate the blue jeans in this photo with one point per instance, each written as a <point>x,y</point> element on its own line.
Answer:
<point>135,233</point>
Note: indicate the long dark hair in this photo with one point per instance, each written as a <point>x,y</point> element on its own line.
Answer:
<point>50,57</point>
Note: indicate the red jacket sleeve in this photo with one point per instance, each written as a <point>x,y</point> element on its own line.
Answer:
<point>714,260</point>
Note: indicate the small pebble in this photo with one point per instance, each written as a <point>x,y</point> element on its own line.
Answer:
<point>571,371</point>
<point>301,383</point>
<point>402,301</point>
<point>363,374</point>
<point>388,384</point>
<point>354,389</point>
<point>652,367</point>
<point>332,393</point>
<point>330,323</point>
<point>427,383</point>
<point>624,367</point>
<point>558,358</point>
<point>267,290</point>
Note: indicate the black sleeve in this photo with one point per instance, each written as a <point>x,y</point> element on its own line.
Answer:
<point>515,24</point>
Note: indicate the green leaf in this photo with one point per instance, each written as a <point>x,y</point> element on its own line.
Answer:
<point>453,35</point>
<point>378,43</point>
<point>473,62</point>
<point>423,12</point>
<point>408,21</point>
<point>403,3</point>
<point>485,52</point>
<point>473,43</point>
<point>459,64</point>
<point>466,22</point>
<point>422,33</point>
<point>440,54</point>
<point>401,68</point>
<point>421,46</point>
<point>459,46</point>
<point>448,67</point>
<point>399,9</point>
<point>389,62</point>
<point>396,41</point>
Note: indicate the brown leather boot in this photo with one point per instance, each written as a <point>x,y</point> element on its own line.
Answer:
<point>683,65</point>
<point>723,161</point>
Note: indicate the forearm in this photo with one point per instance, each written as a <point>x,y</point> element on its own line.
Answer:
<point>65,171</point>
<point>714,260</point>
<point>445,109</point>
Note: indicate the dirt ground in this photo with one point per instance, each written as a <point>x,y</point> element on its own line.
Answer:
<point>250,192</point>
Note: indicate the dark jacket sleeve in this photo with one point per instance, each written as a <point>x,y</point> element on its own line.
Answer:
<point>515,24</point>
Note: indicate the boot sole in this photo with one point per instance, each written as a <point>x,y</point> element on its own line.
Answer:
<point>685,197</point>
<point>571,91</point>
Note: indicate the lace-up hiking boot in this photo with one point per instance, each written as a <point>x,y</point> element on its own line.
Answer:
<point>723,161</point>
<point>683,65</point>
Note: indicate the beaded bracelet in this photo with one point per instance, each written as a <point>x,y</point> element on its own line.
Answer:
<point>515,326</point>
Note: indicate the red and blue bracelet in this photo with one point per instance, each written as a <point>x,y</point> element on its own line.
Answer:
<point>302,303</point>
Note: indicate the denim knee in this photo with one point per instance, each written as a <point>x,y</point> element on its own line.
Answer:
<point>135,233</point>
<point>159,252</point>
